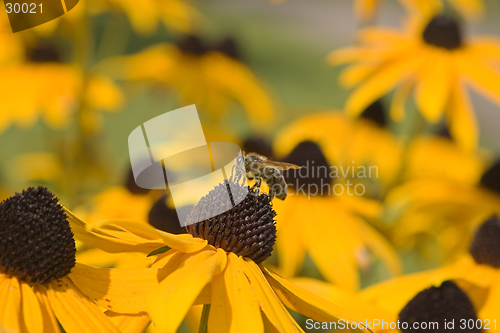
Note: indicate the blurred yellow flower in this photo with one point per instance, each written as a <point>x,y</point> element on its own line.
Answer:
<point>430,58</point>
<point>477,274</point>
<point>340,241</point>
<point>40,85</point>
<point>433,212</point>
<point>217,270</point>
<point>210,78</point>
<point>145,15</point>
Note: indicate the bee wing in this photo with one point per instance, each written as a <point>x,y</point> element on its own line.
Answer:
<point>281,165</point>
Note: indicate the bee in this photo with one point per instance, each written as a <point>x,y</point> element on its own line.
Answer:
<point>260,168</point>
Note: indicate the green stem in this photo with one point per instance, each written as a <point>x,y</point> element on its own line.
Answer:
<point>204,319</point>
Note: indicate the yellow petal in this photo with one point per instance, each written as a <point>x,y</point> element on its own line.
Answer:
<point>75,312</point>
<point>432,91</point>
<point>103,93</point>
<point>10,304</point>
<point>381,248</point>
<point>383,80</point>
<point>346,55</point>
<point>120,290</point>
<point>169,303</point>
<point>461,119</point>
<point>32,313</point>
<point>492,305</point>
<point>232,293</point>
<point>290,247</point>
<point>125,236</point>
<point>129,323</point>
<point>354,74</point>
<point>334,239</point>
<point>307,303</point>
<point>479,74</point>
<point>397,110</point>
<point>269,303</point>
<point>50,323</point>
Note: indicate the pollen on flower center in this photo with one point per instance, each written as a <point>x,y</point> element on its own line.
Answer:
<point>247,229</point>
<point>36,242</point>
<point>485,248</point>
<point>445,303</point>
<point>443,31</point>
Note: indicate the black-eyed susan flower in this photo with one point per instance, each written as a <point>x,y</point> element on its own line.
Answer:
<point>37,266</point>
<point>38,84</point>
<point>208,76</point>
<point>429,58</point>
<point>477,275</point>
<point>218,263</point>
<point>330,191</point>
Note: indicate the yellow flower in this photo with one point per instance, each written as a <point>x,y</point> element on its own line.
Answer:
<point>146,15</point>
<point>432,156</point>
<point>365,9</point>
<point>39,85</point>
<point>217,264</point>
<point>330,146</point>
<point>430,58</point>
<point>438,207</point>
<point>210,78</point>
<point>37,255</point>
<point>477,274</point>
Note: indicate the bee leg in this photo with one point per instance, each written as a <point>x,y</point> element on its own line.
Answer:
<point>257,185</point>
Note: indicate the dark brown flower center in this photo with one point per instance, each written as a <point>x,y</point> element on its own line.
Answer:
<point>485,247</point>
<point>36,242</point>
<point>438,306</point>
<point>258,145</point>
<point>44,51</point>
<point>491,178</point>
<point>196,46</point>
<point>375,112</point>
<point>443,31</point>
<point>132,186</point>
<point>247,229</point>
<point>315,172</point>
<point>164,218</point>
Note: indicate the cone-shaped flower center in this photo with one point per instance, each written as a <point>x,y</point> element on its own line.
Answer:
<point>247,229</point>
<point>315,172</point>
<point>44,51</point>
<point>36,242</point>
<point>437,306</point>
<point>485,248</point>
<point>165,218</point>
<point>443,31</point>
